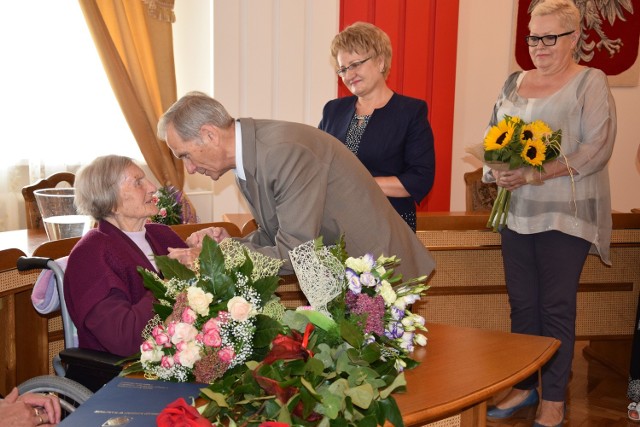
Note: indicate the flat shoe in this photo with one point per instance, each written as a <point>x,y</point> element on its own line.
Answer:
<point>633,411</point>
<point>564,412</point>
<point>494,413</point>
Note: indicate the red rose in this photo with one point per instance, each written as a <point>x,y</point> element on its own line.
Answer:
<point>180,414</point>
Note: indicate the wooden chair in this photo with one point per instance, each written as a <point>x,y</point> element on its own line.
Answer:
<point>21,334</point>
<point>34,219</point>
<point>479,196</point>
<point>185,230</point>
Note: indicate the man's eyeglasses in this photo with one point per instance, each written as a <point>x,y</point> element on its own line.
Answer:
<point>352,67</point>
<point>548,40</point>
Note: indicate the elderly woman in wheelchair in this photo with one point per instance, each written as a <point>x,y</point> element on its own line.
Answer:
<point>104,292</point>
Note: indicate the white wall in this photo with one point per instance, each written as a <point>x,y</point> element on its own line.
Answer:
<point>270,59</point>
<point>262,59</point>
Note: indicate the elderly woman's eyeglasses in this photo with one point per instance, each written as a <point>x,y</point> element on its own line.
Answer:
<point>352,67</point>
<point>548,40</point>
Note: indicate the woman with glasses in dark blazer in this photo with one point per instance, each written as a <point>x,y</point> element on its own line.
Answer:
<point>390,133</point>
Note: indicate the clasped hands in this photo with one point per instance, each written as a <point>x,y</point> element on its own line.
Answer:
<point>187,256</point>
<point>512,179</point>
<point>29,409</point>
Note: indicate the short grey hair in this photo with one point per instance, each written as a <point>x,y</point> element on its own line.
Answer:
<point>97,185</point>
<point>566,10</point>
<point>190,113</point>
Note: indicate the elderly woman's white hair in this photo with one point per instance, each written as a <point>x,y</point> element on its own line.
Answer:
<point>97,185</point>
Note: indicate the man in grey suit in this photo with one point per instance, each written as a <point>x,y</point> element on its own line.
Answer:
<point>299,181</point>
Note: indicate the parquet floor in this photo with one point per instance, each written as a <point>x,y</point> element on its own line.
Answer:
<point>597,394</point>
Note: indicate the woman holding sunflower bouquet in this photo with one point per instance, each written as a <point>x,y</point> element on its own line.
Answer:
<point>559,204</point>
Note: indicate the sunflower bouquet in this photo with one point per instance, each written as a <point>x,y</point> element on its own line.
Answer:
<point>512,144</point>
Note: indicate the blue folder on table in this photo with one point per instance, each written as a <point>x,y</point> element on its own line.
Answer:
<point>139,400</point>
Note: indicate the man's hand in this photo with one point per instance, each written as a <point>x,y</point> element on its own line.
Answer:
<point>216,233</point>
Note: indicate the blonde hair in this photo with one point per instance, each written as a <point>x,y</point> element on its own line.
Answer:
<point>566,10</point>
<point>362,38</point>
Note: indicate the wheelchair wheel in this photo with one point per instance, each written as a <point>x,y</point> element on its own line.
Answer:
<point>70,393</point>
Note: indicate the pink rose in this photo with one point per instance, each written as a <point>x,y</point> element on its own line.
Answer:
<point>163,212</point>
<point>147,346</point>
<point>155,200</point>
<point>226,354</point>
<point>166,361</point>
<point>212,338</point>
<point>240,309</point>
<point>211,325</point>
<point>188,316</point>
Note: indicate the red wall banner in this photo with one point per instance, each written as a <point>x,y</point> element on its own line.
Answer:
<point>423,34</point>
<point>609,39</point>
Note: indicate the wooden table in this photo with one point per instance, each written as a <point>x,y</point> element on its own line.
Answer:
<point>461,368</point>
<point>27,240</point>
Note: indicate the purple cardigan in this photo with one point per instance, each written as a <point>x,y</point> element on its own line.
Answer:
<point>103,290</point>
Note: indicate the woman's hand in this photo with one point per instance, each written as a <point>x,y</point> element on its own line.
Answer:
<point>512,179</point>
<point>216,233</point>
<point>185,256</point>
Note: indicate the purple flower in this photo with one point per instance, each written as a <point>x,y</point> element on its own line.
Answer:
<point>354,281</point>
<point>372,309</point>
<point>397,313</point>
<point>394,330</point>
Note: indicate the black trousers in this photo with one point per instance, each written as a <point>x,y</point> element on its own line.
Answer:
<point>542,273</point>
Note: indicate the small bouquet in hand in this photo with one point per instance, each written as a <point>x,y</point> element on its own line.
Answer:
<point>512,144</point>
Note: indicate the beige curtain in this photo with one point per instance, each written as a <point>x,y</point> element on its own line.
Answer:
<point>136,50</point>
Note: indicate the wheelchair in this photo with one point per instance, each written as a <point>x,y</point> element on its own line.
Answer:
<point>79,372</point>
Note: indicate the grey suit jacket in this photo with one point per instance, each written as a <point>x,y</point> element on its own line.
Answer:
<point>302,183</point>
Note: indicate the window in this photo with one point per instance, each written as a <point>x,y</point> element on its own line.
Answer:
<point>58,105</point>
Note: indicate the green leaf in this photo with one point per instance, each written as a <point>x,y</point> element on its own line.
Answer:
<point>266,287</point>
<point>331,404</point>
<point>151,282</point>
<point>398,382</point>
<point>171,268</point>
<point>391,411</point>
<point>163,311</point>
<point>211,259</point>
<point>266,330</point>
<point>361,395</point>
<point>351,334</point>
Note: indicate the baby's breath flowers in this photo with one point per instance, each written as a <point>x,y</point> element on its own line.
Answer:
<point>208,320</point>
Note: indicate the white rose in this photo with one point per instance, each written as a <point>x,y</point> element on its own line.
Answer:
<point>198,300</point>
<point>240,309</point>
<point>151,356</point>
<point>189,354</point>
<point>183,332</point>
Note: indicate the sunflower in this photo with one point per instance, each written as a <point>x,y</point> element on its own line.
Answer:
<point>533,152</point>
<point>499,136</point>
<point>535,130</point>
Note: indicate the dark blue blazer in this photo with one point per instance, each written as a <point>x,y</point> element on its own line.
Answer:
<point>398,141</point>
